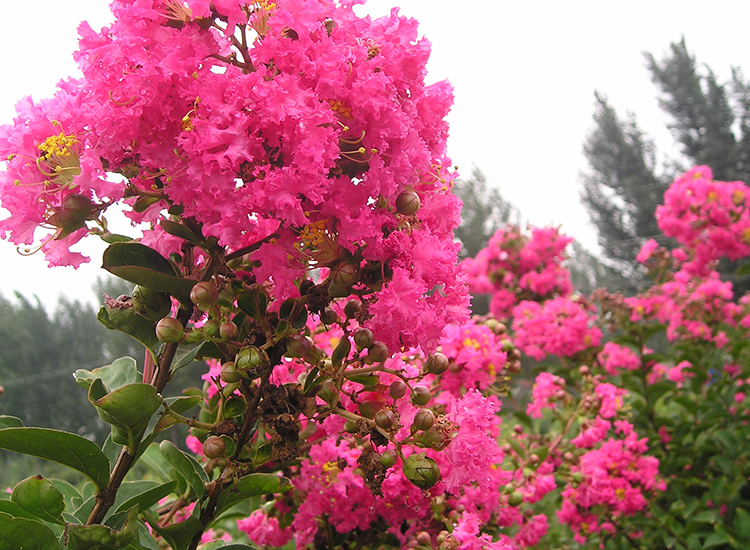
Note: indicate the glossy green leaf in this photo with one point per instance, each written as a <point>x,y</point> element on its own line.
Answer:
<point>179,535</point>
<point>156,462</point>
<point>62,447</point>
<point>313,380</point>
<point>10,422</point>
<point>144,266</point>
<point>186,466</point>
<point>300,320</point>
<point>40,497</point>
<point>341,351</point>
<point>250,486</point>
<point>26,534</point>
<point>234,407</point>
<point>187,358</point>
<point>127,409</point>
<point>285,309</point>
<point>129,322</point>
<point>142,493</point>
<point>121,372</point>
<point>282,328</point>
<point>101,537</point>
<point>12,509</point>
<point>180,231</point>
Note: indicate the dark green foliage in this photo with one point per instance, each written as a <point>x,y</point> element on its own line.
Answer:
<point>484,212</point>
<point>710,122</point>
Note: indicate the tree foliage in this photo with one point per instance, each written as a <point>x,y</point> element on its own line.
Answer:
<point>710,123</point>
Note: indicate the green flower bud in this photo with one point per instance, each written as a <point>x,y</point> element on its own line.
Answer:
<point>328,392</point>
<point>329,316</point>
<point>343,274</point>
<point>211,328</point>
<point>169,330</point>
<point>228,331</point>
<point>73,213</point>
<point>408,203</point>
<point>437,363</point>
<point>229,372</point>
<point>204,295</point>
<point>298,345</point>
<point>420,396</point>
<point>386,419</point>
<point>421,470</point>
<point>376,353</point>
<point>214,447</point>
<point>389,458</point>
<point>515,498</point>
<point>151,304</point>
<point>248,357</point>
<point>364,338</point>
<point>352,308</point>
<point>423,420</point>
<point>397,389</point>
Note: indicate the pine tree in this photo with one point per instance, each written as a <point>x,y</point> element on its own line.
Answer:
<point>710,122</point>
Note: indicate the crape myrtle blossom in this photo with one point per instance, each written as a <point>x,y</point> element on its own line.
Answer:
<point>302,130</point>
<point>515,266</point>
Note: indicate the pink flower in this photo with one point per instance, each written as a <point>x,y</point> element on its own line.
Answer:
<point>543,394</point>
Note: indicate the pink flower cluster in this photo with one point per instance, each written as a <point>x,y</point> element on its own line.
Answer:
<point>515,267</point>
<point>708,217</point>
<point>617,477</point>
<point>561,326</point>
<point>294,127</point>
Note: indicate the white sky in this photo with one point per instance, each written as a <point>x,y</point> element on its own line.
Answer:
<point>524,75</point>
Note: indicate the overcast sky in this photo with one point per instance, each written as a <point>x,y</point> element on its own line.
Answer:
<point>524,75</point>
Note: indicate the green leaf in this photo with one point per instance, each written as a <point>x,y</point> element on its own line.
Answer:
<point>250,486</point>
<point>121,372</point>
<point>127,409</point>
<point>716,539</point>
<point>234,407</point>
<point>64,448</point>
<point>285,310</point>
<point>10,422</point>
<point>179,230</point>
<point>253,305</point>
<point>142,493</point>
<point>367,380</point>
<point>155,460</point>
<point>40,497</point>
<point>341,351</point>
<point>186,358</point>
<point>186,466</point>
<point>101,537</point>
<point>144,266</point>
<point>12,509</point>
<point>129,322</point>
<point>72,496</point>
<point>281,328</point>
<point>300,320</point>
<point>741,524</point>
<point>312,380</point>
<point>179,535</point>
<point>26,534</point>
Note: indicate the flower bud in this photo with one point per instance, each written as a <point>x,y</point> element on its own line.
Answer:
<point>423,420</point>
<point>437,363</point>
<point>228,331</point>
<point>151,304</point>
<point>343,274</point>
<point>376,353</point>
<point>385,419</point>
<point>389,458</point>
<point>420,396</point>
<point>397,389</point>
<point>515,498</point>
<point>421,470</point>
<point>229,372</point>
<point>214,447</point>
<point>423,538</point>
<point>363,338</point>
<point>73,213</point>
<point>352,309</point>
<point>329,316</point>
<point>211,328</point>
<point>169,330</point>
<point>248,358</point>
<point>328,392</point>
<point>408,203</point>
<point>204,294</point>
<point>298,345</point>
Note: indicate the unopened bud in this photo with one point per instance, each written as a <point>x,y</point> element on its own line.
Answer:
<point>151,304</point>
<point>228,331</point>
<point>420,396</point>
<point>423,420</point>
<point>214,447</point>
<point>385,419</point>
<point>408,203</point>
<point>204,294</point>
<point>343,274</point>
<point>377,353</point>
<point>352,309</point>
<point>364,338</point>
<point>421,470</point>
<point>298,345</point>
<point>515,498</point>
<point>397,389</point>
<point>329,316</point>
<point>169,330</point>
<point>389,458</point>
<point>229,372</point>
<point>437,363</point>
